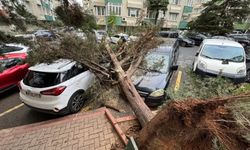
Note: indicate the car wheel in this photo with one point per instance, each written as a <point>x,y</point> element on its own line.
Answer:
<point>76,102</point>
<point>183,44</point>
<point>248,76</point>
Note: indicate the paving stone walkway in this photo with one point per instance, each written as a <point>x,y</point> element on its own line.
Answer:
<point>85,131</point>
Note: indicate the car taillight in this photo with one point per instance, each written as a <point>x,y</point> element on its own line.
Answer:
<point>54,92</point>
<point>19,85</point>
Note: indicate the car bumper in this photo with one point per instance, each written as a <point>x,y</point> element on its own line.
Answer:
<point>46,105</point>
<point>48,111</point>
<point>235,80</point>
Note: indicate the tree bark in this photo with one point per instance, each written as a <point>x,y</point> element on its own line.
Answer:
<point>141,110</point>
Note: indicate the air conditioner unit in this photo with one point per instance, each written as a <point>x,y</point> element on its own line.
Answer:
<point>123,19</point>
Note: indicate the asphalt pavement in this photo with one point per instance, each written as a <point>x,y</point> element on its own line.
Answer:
<point>13,113</point>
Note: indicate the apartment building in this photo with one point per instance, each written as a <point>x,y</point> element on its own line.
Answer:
<point>42,9</point>
<point>126,11</point>
<point>177,16</point>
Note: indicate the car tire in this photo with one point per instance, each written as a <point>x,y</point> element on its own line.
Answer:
<point>183,44</point>
<point>76,102</point>
<point>248,76</point>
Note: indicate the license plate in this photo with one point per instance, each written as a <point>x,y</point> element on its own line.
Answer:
<point>29,93</point>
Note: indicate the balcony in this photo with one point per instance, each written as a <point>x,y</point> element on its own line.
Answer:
<point>187,9</point>
<point>45,5</point>
<point>49,18</point>
<point>183,24</point>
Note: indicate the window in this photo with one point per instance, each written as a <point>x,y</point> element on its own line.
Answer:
<point>133,12</point>
<point>173,16</point>
<point>176,2</point>
<point>100,10</point>
<point>114,9</point>
<point>189,2</point>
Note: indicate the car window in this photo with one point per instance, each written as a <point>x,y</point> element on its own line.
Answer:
<point>164,34</point>
<point>42,79</point>
<point>230,53</point>
<point>8,49</point>
<point>117,36</point>
<point>8,63</point>
<point>75,70</point>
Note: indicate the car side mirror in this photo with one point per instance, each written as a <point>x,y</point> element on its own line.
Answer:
<point>174,67</point>
<point>248,59</point>
<point>197,54</point>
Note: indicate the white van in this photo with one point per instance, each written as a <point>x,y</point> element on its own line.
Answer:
<point>221,57</point>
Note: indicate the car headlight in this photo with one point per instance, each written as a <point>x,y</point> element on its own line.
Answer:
<point>202,65</point>
<point>241,71</point>
<point>157,93</point>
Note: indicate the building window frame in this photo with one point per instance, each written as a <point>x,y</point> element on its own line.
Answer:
<point>114,9</point>
<point>173,16</point>
<point>100,10</point>
<point>133,12</point>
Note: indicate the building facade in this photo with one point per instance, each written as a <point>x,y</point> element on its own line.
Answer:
<point>125,12</point>
<point>179,12</point>
<point>42,9</point>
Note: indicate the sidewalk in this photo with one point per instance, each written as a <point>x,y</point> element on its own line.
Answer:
<point>86,131</point>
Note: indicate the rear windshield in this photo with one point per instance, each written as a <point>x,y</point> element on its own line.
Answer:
<point>42,79</point>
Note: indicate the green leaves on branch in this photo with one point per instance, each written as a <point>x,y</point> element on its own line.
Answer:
<point>72,15</point>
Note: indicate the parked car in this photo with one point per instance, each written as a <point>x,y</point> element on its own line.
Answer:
<point>12,69</point>
<point>57,87</point>
<point>222,38</point>
<point>121,36</point>
<point>197,37</point>
<point>221,57</point>
<point>13,48</point>
<point>46,34</point>
<point>169,34</point>
<point>153,75</point>
<point>185,41</point>
<point>100,34</point>
<point>242,39</point>
<point>29,37</point>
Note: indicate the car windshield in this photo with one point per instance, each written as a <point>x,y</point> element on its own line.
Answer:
<point>8,49</point>
<point>230,53</point>
<point>155,62</point>
<point>8,63</point>
<point>42,79</point>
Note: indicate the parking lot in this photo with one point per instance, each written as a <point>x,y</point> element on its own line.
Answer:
<point>14,113</point>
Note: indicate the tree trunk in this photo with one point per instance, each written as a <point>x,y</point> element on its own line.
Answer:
<point>156,16</point>
<point>141,110</point>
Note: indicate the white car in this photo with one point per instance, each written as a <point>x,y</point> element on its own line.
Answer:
<point>117,37</point>
<point>14,48</point>
<point>100,34</point>
<point>221,57</point>
<point>30,37</point>
<point>57,87</point>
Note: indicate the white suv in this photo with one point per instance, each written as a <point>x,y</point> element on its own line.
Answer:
<point>221,57</point>
<point>57,87</point>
